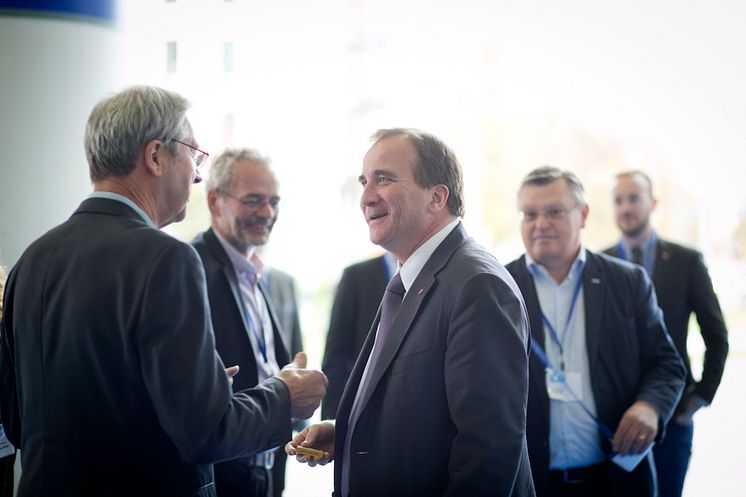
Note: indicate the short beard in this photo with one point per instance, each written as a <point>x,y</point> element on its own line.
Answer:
<point>634,233</point>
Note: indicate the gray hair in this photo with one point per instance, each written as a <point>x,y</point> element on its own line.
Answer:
<point>121,125</point>
<point>223,167</point>
<point>549,174</point>
<point>641,174</point>
<point>437,164</point>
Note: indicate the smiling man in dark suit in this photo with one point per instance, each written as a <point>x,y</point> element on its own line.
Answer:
<point>604,376</point>
<point>243,197</point>
<point>683,287</point>
<point>436,402</point>
<point>109,379</point>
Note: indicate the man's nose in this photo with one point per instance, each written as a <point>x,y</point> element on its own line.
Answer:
<point>368,196</point>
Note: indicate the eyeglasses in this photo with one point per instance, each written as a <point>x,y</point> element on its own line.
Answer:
<point>554,213</point>
<point>254,201</point>
<point>198,156</point>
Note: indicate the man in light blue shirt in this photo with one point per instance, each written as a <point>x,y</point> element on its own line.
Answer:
<point>604,375</point>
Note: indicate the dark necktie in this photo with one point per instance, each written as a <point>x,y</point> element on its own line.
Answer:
<point>637,256</point>
<point>392,298</point>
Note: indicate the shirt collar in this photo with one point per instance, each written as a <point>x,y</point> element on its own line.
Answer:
<point>129,203</point>
<point>240,262</point>
<point>647,246</point>
<point>411,269</point>
<point>575,271</point>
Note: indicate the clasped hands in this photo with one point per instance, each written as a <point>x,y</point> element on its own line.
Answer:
<point>306,386</point>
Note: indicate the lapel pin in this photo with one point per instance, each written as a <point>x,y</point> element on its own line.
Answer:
<point>665,256</point>
<point>595,281</point>
<point>420,292</point>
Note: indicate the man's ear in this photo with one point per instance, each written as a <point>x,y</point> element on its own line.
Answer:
<point>439,197</point>
<point>212,201</point>
<point>584,215</point>
<point>153,156</point>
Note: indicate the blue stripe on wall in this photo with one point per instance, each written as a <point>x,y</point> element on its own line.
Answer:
<point>103,10</point>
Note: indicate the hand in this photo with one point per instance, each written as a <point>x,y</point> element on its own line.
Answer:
<point>307,387</point>
<point>231,372</point>
<point>691,404</point>
<point>316,436</point>
<point>637,429</point>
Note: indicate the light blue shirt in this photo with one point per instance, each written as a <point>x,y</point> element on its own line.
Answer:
<point>126,201</point>
<point>256,307</point>
<point>574,438</point>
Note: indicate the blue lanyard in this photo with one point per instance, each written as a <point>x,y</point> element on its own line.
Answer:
<point>558,340</point>
<point>255,330</point>
<point>649,254</point>
<point>536,348</point>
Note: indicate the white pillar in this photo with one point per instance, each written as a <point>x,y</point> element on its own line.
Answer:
<point>56,62</point>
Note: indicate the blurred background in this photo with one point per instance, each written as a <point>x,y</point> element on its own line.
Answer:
<point>591,86</point>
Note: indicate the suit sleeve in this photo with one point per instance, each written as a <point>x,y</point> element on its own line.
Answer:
<point>9,409</point>
<point>706,307</point>
<point>185,378</point>
<point>486,379</point>
<point>663,373</point>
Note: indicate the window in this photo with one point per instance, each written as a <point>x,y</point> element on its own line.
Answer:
<point>228,56</point>
<point>171,57</point>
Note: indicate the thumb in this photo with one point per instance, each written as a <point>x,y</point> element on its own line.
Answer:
<point>299,361</point>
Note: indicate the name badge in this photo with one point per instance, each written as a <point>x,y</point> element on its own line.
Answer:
<point>564,386</point>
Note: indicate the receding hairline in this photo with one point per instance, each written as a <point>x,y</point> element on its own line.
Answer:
<point>637,173</point>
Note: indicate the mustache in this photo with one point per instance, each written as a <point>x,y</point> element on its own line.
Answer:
<point>258,222</point>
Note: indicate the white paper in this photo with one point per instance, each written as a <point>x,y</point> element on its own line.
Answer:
<point>630,461</point>
<point>6,448</point>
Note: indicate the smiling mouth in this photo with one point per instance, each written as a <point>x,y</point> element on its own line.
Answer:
<point>377,216</point>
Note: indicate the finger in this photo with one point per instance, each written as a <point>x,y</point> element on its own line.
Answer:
<point>300,437</point>
<point>290,448</point>
<point>622,442</point>
<point>300,360</point>
<point>232,371</point>
<point>641,443</point>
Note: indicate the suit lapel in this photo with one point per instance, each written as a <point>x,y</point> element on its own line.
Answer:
<point>410,306</point>
<point>230,275</point>
<point>661,265</point>
<point>594,293</point>
<point>525,282</point>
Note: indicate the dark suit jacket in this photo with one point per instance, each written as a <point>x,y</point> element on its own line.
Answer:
<point>446,415</point>
<point>630,356</point>
<point>229,318</point>
<point>231,325</point>
<point>109,379</point>
<point>356,302</point>
<point>683,286</point>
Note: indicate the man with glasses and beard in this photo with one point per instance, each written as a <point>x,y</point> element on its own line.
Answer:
<point>242,195</point>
